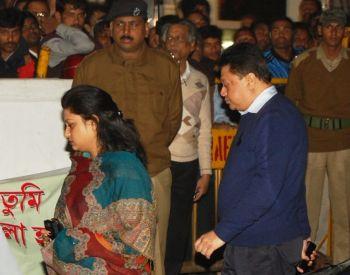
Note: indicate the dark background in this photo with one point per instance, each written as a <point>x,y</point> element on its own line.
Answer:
<point>262,9</point>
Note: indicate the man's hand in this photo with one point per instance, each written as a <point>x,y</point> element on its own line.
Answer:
<point>202,187</point>
<point>45,235</point>
<point>49,24</point>
<point>208,243</point>
<point>310,259</point>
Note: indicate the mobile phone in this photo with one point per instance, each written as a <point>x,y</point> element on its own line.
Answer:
<point>53,226</point>
<point>303,264</point>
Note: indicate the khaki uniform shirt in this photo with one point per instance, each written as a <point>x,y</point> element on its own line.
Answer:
<point>147,90</point>
<point>320,88</point>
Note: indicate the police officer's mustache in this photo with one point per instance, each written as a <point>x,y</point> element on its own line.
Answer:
<point>126,37</point>
<point>10,45</point>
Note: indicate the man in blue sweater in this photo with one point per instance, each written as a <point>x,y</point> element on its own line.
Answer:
<point>262,208</point>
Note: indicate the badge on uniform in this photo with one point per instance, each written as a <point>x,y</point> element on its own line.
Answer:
<point>136,12</point>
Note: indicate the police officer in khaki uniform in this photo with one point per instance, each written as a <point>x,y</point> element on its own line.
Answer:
<point>146,84</point>
<point>319,85</point>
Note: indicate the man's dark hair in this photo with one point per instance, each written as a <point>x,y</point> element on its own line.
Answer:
<point>303,26</point>
<point>10,18</point>
<point>77,4</point>
<point>25,8</point>
<point>27,14</point>
<point>91,8</point>
<point>243,29</point>
<point>210,31</point>
<point>19,2</point>
<point>100,26</point>
<point>192,30</point>
<point>2,4</point>
<point>204,17</point>
<point>189,6</point>
<point>317,2</point>
<point>164,20</point>
<point>319,5</point>
<point>282,18</point>
<point>246,58</point>
<point>258,24</point>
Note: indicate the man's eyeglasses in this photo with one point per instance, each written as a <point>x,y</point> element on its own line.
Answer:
<point>175,39</point>
<point>41,15</point>
<point>133,25</point>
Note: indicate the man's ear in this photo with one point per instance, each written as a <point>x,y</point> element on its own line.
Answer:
<point>251,80</point>
<point>147,28</point>
<point>111,27</point>
<point>193,46</point>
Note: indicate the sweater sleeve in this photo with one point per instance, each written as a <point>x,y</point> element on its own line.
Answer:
<point>204,137</point>
<point>273,147</point>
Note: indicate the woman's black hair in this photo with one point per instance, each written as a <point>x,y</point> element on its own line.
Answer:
<point>114,133</point>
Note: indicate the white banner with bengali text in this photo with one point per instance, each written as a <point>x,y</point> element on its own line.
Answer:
<point>24,205</point>
<point>33,164</point>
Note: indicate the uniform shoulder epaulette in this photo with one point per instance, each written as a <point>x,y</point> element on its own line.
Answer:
<point>91,54</point>
<point>301,57</point>
<point>94,54</point>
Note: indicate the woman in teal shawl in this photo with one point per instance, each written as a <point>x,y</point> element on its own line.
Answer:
<point>106,206</point>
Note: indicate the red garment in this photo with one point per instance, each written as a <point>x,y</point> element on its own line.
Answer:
<point>27,70</point>
<point>107,215</point>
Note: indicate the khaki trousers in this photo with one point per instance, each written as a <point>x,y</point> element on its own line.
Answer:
<point>162,192</point>
<point>337,167</point>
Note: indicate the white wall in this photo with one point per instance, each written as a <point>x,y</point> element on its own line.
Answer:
<point>292,7</point>
<point>31,133</point>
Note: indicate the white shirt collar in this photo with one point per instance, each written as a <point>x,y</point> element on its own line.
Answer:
<point>186,73</point>
<point>33,53</point>
<point>260,100</point>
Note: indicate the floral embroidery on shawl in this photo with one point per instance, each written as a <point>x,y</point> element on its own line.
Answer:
<point>129,212</point>
<point>109,197</point>
<point>81,246</point>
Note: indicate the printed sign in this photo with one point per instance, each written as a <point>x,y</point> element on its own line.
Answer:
<point>222,139</point>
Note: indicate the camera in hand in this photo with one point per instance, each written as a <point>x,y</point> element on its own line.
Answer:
<point>53,226</point>
<point>303,264</point>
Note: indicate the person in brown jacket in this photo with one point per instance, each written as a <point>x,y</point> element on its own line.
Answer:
<point>319,85</point>
<point>146,84</point>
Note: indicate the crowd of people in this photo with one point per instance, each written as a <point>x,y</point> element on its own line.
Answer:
<point>128,202</point>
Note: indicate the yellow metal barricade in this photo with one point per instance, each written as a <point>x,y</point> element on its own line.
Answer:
<point>222,139</point>
<point>279,81</point>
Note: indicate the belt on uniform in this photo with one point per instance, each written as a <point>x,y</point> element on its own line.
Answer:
<point>327,123</point>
